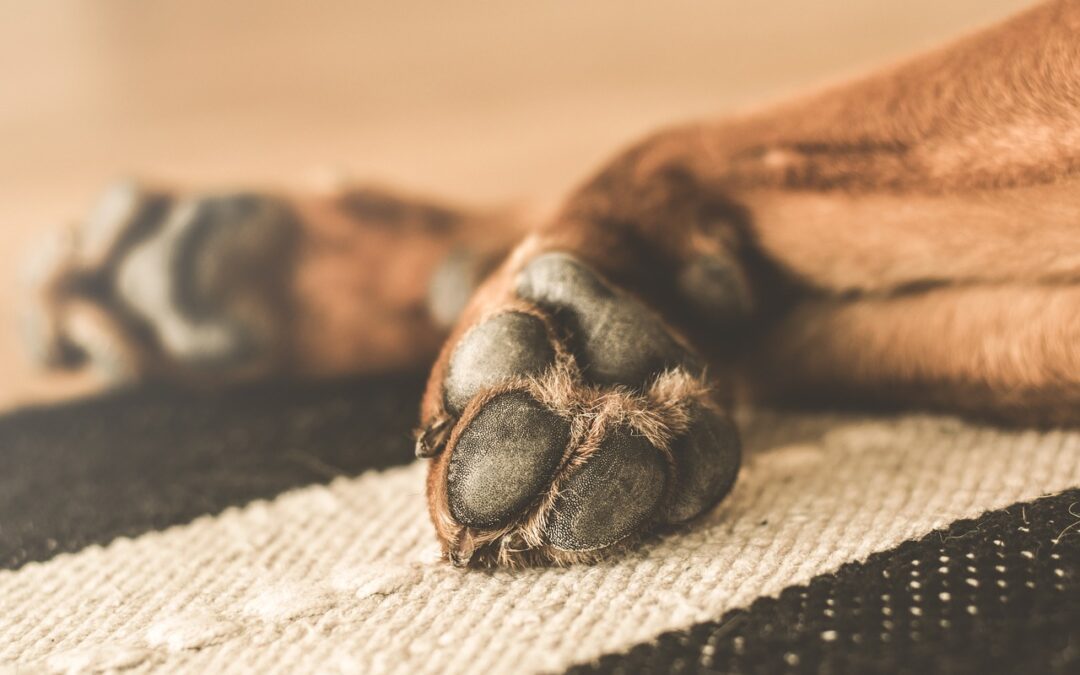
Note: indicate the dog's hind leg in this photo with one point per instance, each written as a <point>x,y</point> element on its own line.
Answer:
<point>1005,352</point>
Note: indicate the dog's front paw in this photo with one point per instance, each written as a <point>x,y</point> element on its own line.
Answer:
<point>153,284</point>
<point>571,423</point>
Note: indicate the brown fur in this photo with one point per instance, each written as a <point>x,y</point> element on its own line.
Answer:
<point>362,275</point>
<point>957,169</point>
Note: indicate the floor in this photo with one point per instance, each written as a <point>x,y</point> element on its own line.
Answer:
<point>487,102</point>
<point>284,529</point>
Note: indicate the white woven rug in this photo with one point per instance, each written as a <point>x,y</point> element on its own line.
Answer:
<point>345,577</point>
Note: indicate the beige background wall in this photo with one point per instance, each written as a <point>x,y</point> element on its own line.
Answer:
<point>485,101</point>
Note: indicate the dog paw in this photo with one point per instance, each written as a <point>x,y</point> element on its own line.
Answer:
<point>573,422</point>
<point>152,284</point>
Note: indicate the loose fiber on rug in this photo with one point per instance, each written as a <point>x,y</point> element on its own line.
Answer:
<point>282,528</point>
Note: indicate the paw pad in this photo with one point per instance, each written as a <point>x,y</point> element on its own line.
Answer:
<point>150,284</point>
<point>616,489</point>
<point>580,423</point>
<point>503,457</point>
<point>617,339</point>
<point>508,345</point>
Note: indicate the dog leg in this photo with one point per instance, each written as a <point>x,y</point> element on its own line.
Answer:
<point>218,287</point>
<point>955,168</point>
<point>1007,352</point>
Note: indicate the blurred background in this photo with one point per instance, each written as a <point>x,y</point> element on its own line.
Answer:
<point>483,102</point>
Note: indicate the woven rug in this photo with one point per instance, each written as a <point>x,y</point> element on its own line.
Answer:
<point>282,528</point>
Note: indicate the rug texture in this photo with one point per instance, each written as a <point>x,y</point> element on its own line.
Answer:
<point>282,528</point>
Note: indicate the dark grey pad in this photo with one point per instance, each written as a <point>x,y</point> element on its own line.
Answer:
<point>503,459</point>
<point>229,242</point>
<point>507,345</point>
<point>609,497</point>
<point>707,461</point>
<point>617,340</point>
<point>715,287</point>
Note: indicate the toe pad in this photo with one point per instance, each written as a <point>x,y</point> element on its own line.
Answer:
<point>610,496</point>
<point>503,459</point>
<point>616,339</point>
<point>506,346</point>
<point>707,461</point>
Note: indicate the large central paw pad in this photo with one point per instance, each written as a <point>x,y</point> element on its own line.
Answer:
<point>577,423</point>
